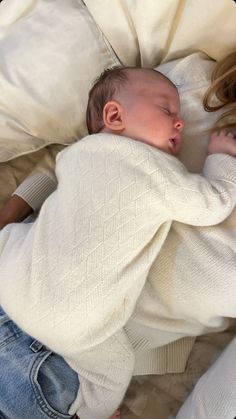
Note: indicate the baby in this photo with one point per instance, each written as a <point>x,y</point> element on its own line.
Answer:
<point>81,267</point>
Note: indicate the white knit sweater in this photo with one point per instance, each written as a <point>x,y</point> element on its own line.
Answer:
<point>72,278</point>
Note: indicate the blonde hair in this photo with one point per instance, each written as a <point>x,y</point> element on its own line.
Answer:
<point>223,87</point>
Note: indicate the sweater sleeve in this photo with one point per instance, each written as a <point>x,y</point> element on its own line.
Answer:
<point>198,200</point>
<point>35,189</point>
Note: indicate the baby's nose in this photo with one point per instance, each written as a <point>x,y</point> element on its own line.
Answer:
<point>179,124</point>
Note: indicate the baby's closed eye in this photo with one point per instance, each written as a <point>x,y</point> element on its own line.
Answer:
<point>166,110</point>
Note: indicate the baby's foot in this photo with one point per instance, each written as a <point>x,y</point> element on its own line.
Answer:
<point>116,415</point>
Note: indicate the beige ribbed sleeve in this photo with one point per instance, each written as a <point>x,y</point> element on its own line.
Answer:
<point>42,181</point>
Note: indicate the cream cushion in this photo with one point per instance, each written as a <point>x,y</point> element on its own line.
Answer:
<point>153,31</point>
<point>51,52</point>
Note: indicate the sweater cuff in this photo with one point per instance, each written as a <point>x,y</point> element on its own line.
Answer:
<point>171,358</point>
<point>35,189</point>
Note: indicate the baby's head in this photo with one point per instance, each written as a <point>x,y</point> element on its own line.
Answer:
<point>138,103</point>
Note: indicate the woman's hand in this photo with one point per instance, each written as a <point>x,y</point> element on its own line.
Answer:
<point>222,142</point>
<point>15,210</point>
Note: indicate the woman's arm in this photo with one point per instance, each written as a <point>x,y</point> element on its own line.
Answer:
<point>27,198</point>
<point>32,192</point>
<point>15,210</point>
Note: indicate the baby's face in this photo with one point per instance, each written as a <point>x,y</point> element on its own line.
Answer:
<point>152,112</point>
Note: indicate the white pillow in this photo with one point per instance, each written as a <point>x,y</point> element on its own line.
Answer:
<point>51,52</point>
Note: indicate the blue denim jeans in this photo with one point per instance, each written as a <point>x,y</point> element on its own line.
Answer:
<point>34,382</point>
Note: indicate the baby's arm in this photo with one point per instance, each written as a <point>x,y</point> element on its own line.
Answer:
<point>200,200</point>
<point>222,142</point>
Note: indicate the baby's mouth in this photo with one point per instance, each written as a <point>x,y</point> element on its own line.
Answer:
<point>175,141</point>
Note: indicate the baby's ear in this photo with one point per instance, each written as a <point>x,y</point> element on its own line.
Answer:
<point>113,116</point>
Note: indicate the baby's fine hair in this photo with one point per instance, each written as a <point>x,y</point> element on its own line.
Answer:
<point>104,89</point>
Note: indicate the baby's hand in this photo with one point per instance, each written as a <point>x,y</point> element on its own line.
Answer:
<point>222,142</point>
<point>116,415</point>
